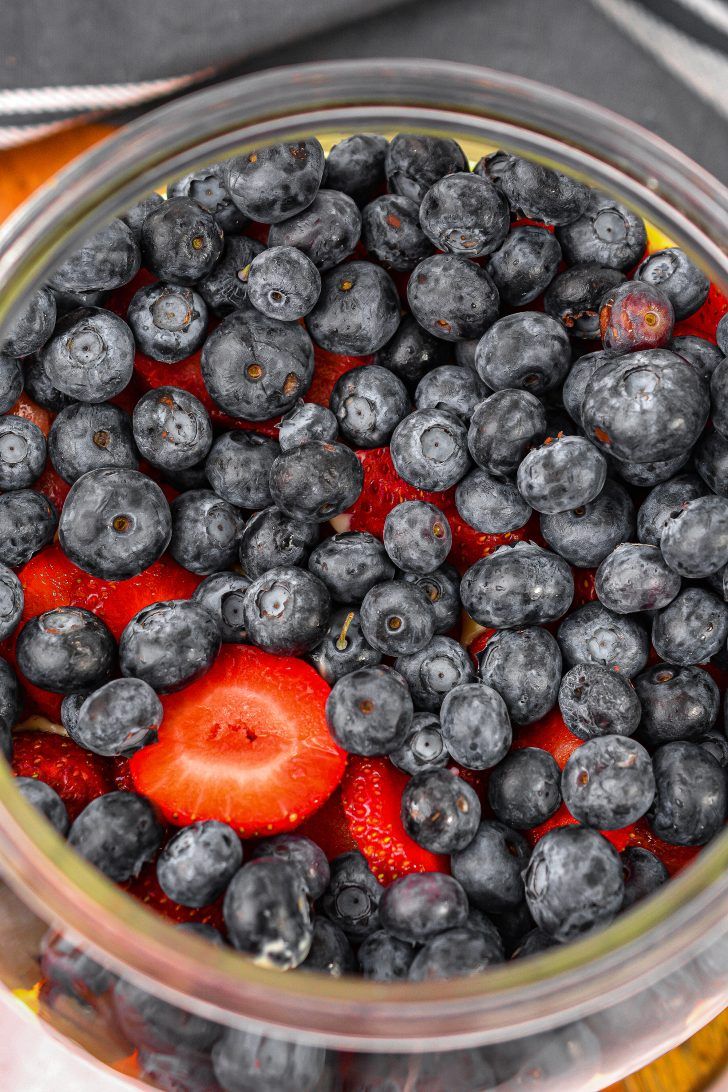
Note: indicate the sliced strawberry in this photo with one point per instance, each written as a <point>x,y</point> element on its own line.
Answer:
<point>52,486</point>
<point>122,775</point>
<point>584,587</point>
<point>674,858</point>
<point>329,828</point>
<point>372,796</point>
<point>550,734</point>
<point>706,318</point>
<point>383,489</point>
<point>246,744</point>
<point>77,775</point>
<point>38,701</point>
<point>563,818</point>
<point>145,887</point>
<point>26,407</point>
<point>328,367</point>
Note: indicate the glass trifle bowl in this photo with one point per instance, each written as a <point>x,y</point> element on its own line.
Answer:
<point>574,1017</point>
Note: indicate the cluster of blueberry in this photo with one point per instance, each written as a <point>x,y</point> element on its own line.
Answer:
<point>587,418</point>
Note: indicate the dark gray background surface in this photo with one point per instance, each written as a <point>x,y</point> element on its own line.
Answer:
<point>568,43</point>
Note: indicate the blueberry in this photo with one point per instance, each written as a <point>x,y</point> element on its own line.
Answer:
<point>537,191</point>
<point>32,326</point>
<point>451,387</point>
<point>711,462</point>
<point>423,749</point>
<point>287,611</point>
<point>326,231</point>
<point>11,700</point>
<point>135,216</point>
<point>575,296</point>
<point>369,711</point>
<point>716,744</point>
<point>344,648</point>
<point>442,588</point>
<point>392,234</point>
<point>369,402</point>
<point>238,468</point>
<point>12,600</point>
<point>246,1061</point>
<point>597,701</point>
<point>352,898</point>
<point>383,958</point>
<point>690,801</point>
<point>702,354</point>
<point>46,800</point>
<point>440,811</point>
<point>429,449</point>
<point>417,536</point>
<point>480,922</point>
<point>533,943</point>
<point>414,163</point>
<point>432,672</point>
<point>304,854</point>
<point>307,421</point>
<point>643,873</point>
<point>350,564</point>
<point>452,297</point>
<point>11,381</point>
<point>524,790</point>
<point>694,542</point>
<point>417,907</point>
<point>635,316</point>
<point>563,474</point>
<point>579,375</point>
<point>411,351</point>
<point>527,351</point>
<point>107,259</point>
<point>356,165</point>
<point>608,782</point>
<point>719,393</point>
<point>691,629</point>
<point>180,241</point>
<point>330,952</point>
<point>645,406</point>
<point>525,264</point>
<point>91,355</point>
<point>465,214</point>
<point>68,969</point>
<point>27,524</point>
<point>516,586</point>
<point>634,577</point>
<point>70,708</point>
<point>169,322</point>
<point>119,718</point>
<point>465,353</point>
<point>66,649</point>
<point>181,1071</point>
<point>169,645</point>
<point>646,475</point>
<point>255,368</point>
<point>573,882</point>
<point>607,233</point>
<point>71,301</point>
<point>118,833</point>
<point>503,428</point>
<point>524,667</point>
<point>665,500</point>
<point>721,335</point>
<point>22,452</point>
<point>223,595</point>
<point>678,703</point>
<point>586,534</point>
<point>225,288</point>
<point>172,428</point>
<point>397,618</point>
<point>357,311</point>
<point>114,523</point>
<point>454,954</point>
<point>155,1025</point>
<point>683,283</point>
<point>272,539</point>
<point>207,188</point>
<point>87,437</point>
<point>316,481</point>
<point>277,181</point>
<point>490,867</point>
<point>267,913</point>
<point>198,862</point>
<point>594,635</point>
<point>206,532</point>
<point>37,383</point>
<point>475,726</point>
<point>283,283</point>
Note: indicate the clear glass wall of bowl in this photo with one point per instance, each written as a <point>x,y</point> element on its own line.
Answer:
<point>573,1018</point>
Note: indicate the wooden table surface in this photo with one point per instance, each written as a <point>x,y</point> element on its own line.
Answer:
<point>692,1067</point>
